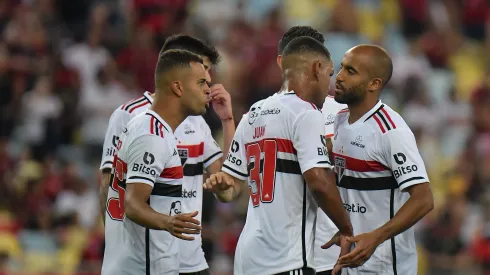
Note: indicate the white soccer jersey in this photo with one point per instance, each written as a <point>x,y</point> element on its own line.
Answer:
<point>325,259</point>
<point>146,153</point>
<point>197,150</point>
<point>376,158</point>
<point>119,118</point>
<point>113,217</point>
<point>275,143</point>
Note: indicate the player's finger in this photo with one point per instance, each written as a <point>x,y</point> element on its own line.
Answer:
<point>183,237</point>
<point>192,214</point>
<point>327,245</point>
<point>348,257</point>
<point>188,219</point>
<point>216,87</point>
<point>187,231</point>
<point>352,239</point>
<point>179,225</point>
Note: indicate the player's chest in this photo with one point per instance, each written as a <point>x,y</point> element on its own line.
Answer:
<point>358,143</point>
<point>190,143</point>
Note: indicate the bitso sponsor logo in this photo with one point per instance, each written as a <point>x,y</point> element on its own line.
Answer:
<point>400,159</point>
<point>234,159</point>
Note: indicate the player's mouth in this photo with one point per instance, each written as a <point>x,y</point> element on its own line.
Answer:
<point>338,88</point>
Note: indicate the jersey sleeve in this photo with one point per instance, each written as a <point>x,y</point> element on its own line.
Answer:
<point>309,141</point>
<point>212,151</point>
<point>236,160</point>
<point>147,158</point>
<point>117,122</point>
<point>402,156</point>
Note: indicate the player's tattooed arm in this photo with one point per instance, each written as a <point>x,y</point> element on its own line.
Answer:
<point>104,190</point>
<point>226,188</point>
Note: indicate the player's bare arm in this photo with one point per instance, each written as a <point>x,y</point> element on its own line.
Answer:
<point>420,203</point>
<point>104,190</point>
<point>139,211</point>
<point>323,187</point>
<point>226,188</point>
<point>221,100</point>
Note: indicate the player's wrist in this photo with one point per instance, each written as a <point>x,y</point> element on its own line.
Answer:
<point>165,223</point>
<point>227,119</point>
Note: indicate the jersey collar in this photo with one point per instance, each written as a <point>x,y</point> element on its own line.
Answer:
<point>160,119</point>
<point>148,97</point>
<point>367,115</point>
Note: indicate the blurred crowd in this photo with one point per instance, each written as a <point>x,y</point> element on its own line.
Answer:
<point>66,65</point>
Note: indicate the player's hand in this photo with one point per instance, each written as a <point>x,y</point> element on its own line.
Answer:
<point>345,246</point>
<point>365,245</point>
<point>218,182</point>
<point>221,100</point>
<point>181,224</point>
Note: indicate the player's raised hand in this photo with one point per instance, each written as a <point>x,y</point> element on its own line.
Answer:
<point>221,101</point>
<point>181,224</point>
<point>366,244</point>
<point>218,182</point>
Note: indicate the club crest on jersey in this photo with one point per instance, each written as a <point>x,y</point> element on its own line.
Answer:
<point>253,115</point>
<point>339,167</point>
<point>183,154</point>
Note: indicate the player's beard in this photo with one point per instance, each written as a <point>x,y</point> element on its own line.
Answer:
<point>351,96</point>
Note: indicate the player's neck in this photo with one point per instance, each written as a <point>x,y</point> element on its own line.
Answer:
<point>169,112</point>
<point>356,111</point>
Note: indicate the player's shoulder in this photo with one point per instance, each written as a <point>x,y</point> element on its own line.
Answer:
<point>386,121</point>
<point>136,105</point>
<point>148,123</point>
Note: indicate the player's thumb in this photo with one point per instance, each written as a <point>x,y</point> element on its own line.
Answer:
<point>352,239</point>
<point>328,244</point>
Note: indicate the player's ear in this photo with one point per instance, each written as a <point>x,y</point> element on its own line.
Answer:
<point>279,60</point>
<point>177,88</point>
<point>317,69</point>
<point>375,84</point>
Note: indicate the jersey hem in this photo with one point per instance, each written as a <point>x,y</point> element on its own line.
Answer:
<point>210,161</point>
<point>233,172</point>
<point>324,268</point>
<point>194,269</point>
<point>404,186</point>
<point>139,180</point>
<point>316,165</point>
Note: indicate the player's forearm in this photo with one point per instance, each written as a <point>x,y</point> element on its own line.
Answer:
<point>103,192</point>
<point>228,133</point>
<point>328,199</point>
<point>409,214</point>
<point>141,213</point>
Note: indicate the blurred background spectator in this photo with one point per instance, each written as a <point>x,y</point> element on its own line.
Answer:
<point>65,65</point>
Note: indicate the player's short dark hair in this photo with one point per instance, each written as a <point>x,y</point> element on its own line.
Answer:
<point>298,31</point>
<point>191,44</point>
<point>175,59</point>
<point>303,45</point>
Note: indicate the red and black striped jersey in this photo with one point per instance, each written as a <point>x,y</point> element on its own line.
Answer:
<point>278,140</point>
<point>376,159</point>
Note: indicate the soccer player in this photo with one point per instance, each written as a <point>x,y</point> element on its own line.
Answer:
<point>196,147</point>
<point>324,259</point>
<point>148,170</point>
<point>380,173</point>
<point>279,150</point>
